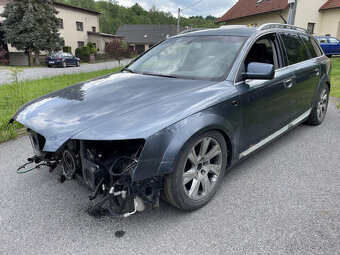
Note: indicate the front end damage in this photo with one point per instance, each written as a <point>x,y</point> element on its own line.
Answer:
<point>105,167</point>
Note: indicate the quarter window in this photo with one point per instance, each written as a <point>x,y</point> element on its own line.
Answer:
<point>79,26</point>
<point>317,48</point>
<point>308,42</point>
<point>296,50</point>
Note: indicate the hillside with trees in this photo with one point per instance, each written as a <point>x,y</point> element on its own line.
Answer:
<point>113,15</point>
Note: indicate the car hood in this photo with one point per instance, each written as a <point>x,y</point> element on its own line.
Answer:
<point>113,107</point>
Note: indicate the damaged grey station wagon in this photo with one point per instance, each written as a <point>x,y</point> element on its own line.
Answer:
<point>177,117</point>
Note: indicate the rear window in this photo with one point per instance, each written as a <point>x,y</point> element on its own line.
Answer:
<point>55,55</point>
<point>308,42</point>
<point>296,50</point>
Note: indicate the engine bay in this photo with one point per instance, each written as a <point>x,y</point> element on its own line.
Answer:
<point>105,167</point>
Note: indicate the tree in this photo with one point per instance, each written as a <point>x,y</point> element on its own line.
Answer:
<point>117,48</point>
<point>31,25</point>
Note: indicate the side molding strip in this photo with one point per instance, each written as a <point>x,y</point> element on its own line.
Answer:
<point>276,134</point>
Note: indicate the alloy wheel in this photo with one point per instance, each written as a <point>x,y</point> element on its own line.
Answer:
<point>322,104</point>
<point>202,168</point>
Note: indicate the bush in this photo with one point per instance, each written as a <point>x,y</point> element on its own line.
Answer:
<point>67,49</point>
<point>93,51</point>
<point>78,52</point>
<point>83,53</point>
<point>90,44</point>
<point>85,50</point>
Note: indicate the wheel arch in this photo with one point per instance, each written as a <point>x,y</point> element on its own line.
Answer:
<point>324,80</point>
<point>190,131</point>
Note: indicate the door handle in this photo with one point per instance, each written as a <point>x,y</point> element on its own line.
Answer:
<point>317,71</point>
<point>288,83</point>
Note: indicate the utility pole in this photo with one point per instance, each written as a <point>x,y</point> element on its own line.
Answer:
<point>179,20</point>
<point>292,11</point>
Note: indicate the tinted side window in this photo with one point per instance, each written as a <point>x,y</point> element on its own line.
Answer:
<point>333,40</point>
<point>296,50</point>
<point>317,48</point>
<point>322,40</point>
<point>307,41</point>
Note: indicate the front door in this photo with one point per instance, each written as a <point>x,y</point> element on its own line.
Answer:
<point>266,104</point>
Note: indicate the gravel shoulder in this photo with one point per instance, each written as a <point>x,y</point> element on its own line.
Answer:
<point>282,200</point>
<point>42,72</point>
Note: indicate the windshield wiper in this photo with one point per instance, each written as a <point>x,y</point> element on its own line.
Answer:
<point>161,75</point>
<point>128,70</point>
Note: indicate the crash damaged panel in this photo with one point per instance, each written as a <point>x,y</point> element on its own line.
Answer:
<point>107,168</point>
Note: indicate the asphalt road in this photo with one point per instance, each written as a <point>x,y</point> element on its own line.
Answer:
<point>283,200</point>
<point>42,72</point>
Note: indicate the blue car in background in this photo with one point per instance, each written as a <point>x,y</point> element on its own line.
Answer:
<point>330,45</point>
<point>62,59</point>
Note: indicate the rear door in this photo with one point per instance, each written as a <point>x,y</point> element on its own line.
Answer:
<point>306,71</point>
<point>266,104</point>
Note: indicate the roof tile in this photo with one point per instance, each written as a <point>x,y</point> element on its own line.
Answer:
<point>245,8</point>
<point>330,4</point>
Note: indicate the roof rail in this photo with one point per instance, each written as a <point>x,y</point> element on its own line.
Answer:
<point>279,25</point>
<point>233,26</point>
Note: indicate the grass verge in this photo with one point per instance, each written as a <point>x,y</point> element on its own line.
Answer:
<point>12,96</point>
<point>335,89</point>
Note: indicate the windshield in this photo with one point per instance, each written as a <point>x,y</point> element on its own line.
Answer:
<point>200,57</point>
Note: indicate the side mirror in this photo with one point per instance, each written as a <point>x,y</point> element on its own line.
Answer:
<point>260,71</point>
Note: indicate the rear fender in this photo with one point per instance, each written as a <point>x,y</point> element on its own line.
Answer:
<point>324,80</point>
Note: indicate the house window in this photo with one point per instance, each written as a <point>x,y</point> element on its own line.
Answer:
<point>81,44</point>
<point>94,45</point>
<point>310,27</point>
<point>62,43</point>
<point>94,29</point>
<point>61,23</point>
<point>79,26</point>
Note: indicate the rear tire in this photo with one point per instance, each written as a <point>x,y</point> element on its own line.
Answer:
<point>64,64</point>
<point>199,172</point>
<point>320,108</point>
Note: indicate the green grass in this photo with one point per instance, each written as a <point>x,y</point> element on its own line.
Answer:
<point>335,89</point>
<point>12,96</point>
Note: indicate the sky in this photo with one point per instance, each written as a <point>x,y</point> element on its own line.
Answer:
<point>204,8</point>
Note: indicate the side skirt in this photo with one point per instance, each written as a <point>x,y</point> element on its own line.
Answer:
<point>276,134</point>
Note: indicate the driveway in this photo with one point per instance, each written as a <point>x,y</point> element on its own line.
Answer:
<point>41,72</point>
<point>282,200</point>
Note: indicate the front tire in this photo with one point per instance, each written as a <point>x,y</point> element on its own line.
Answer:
<point>78,63</point>
<point>199,172</point>
<point>320,108</point>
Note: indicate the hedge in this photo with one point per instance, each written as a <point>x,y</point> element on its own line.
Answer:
<point>67,49</point>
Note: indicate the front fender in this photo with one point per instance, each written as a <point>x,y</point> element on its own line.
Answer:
<point>230,128</point>
<point>163,149</point>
